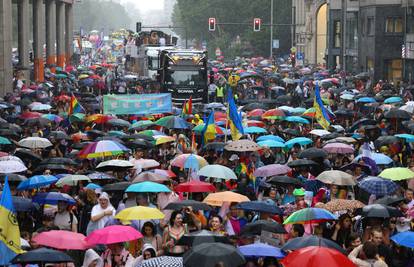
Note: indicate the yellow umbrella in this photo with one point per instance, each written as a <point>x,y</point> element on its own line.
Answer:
<point>217,199</point>
<point>83,76</point>
<point>164,139</point>
<point>140,213</point>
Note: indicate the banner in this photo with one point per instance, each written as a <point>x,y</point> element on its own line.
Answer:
<point>137,104</point>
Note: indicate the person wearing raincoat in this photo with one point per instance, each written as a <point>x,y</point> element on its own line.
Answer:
<point>92,259</point>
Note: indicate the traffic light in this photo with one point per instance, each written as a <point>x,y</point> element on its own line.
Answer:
<point>212,24</point>
<point>138,27</point>
<point>257,23</point>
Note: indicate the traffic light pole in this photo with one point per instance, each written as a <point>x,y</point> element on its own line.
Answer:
<point>170,27</point>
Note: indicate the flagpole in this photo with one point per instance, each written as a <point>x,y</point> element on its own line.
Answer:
<point>227,123</point>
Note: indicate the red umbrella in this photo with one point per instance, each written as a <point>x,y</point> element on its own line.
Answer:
<point>30,115</point>
<point>194,186</point>
<point>219,115</point>
<point>95,77</point>
<point>315,257</point>
<point>112,234</point>
<point>274,113</point>
<point>61,240</point>
<point>251,123</point>
<point>63,98</point>
<point>256,112</point>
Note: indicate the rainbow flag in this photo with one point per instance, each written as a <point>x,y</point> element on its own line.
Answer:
<point>75,106</point>
<point>321,113</point>
<point>188,106</point>
<point>10,233</point>
<point>233,117</point>
<point>209,131</point>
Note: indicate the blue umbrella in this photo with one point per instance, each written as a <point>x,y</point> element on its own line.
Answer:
<point>405,239</point>
<point>53,198</point>
<point>366,100</point>
<point>37,181</point>
<point>298,110</point>
<point>147,187</point>
<point>393,99</point>
<point>86,82</point>
<point>271,143</point>
<point>408,137</point>
<point>378,186</point>
<point>261,250</point>
<point>296,119</point>
<point>260,206</point>
<point>100,176</point>
<point>93,186</point>
<point>270,137</point>
<point>253,130</point>
<point>298,140</point>
<point>379,158</point>
<point>192,163</point>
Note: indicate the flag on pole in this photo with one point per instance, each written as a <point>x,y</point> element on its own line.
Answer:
<point>75,106</point>
<point>10,233</point>
<point>321,113</point>
<point>188,107</point>
<point>233,117</point>
<point>209,131</point>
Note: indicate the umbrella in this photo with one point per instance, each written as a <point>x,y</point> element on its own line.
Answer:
<point>296,119</point>
<point>52,198</point>
<point>12,177</point>
<point>37,181</point>
<point>217,146</point>
<point>254,130</point>
<point>256,112</point>
<point>209,254</point>
<point>397,114</point>
<point>140,213</point>
<point>408,137</point>
<point>260,206</point>
<point>379,158</point>
<point>163,261</point>
<point>283,179</point>
<point>119,123</point>
<point>93,186</point>
<point>271,144</point>
<point>102,149</point>
<point>261,250</point>
<point>255,105</point>
<point>343,204</point>
<point>200,237</point>
<point>338,148</point>
<point>150,176</point>
<point>57,168</point>
<point>12,166</point>
<point>307,241</point>
<point>312,153</point>
<point>181,160</point>
<point>63,240</point>
<point>58,135</point>
<point>393,100</point>
<point>397,174</point>
<point>301,162</point>
<point>315,256</point>
<point>173,122</point>
<point>200,128</point>
<point>121,186</point>
<point>34,142</point>
<point>72,180</point>
<point>100,176</point>
<point>256,228</point>
<point>378,186</point>
<point>390,200</point>
<point>114,165</point>
<point>217,199</point>
<point>271,170</point>
<point>24,204</point>
<point>146,163</point>
<point>298,140</point>
<point>64,161</point>
<point>4,141</point>
<point>41,256</point>
<point>217,171</point>
<point>273,113</point>
<point>366,100</point>
<point>336,177</point>
<point>196,205</point>
<point>405,239</point>
<point>310,215</point>
<point>319,132</point>
<point>166,173</point>
<point>147,187</point>
<point>380,211</point>
<point>141,125</point>
<point>113,234</point>
<point>164,139</point>
<point>270,137</point>
<point>195,186</point>
<point>242,146</point>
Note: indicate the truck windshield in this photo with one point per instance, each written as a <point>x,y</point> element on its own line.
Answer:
<point>186,77</point>
<point>153,63</point>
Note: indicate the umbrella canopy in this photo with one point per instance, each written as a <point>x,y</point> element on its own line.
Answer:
<point>307,241</point>
<point>146,163</point>
<point>102,149</point>
<point>242,146</point>
<point>173,122</point>
<point>200,237</point>
<point>12,166</point>
<point>405,239</point>
<point>114,165</point>
<point>112,234</point>
<point>301,162</point>
<point>42,256</point>
<point>312,153</point>
<point>254,130</point>
<point>140,213</point>
<point>217,171</point>
<point>271,170</point>
<point>116,187</point>
<point>72,180</point>
<point>380,211</point>
<point>142,124</point>
<point>163,261</point>
<point>60,239</point>
<point>397,114</point>
<point>12,177</point>
<point>315,257</point>
<point>298,140</point>
<point>271,144</point>
<point>150,176</point>
<point>379,158</point>
<point>397,174</point>
<point>100,176</point>
<point>261,250</point>
<point>343,204</point>
<point>336,177</point>
<point>256,228</point>
<point>147,187</point>
<point>270,137</point>
<point>196,205</point>
<point>181,160</point>
<point>296,119</point>
<point>390,200</point>
<point>260,206</point>
<point>52,198</point>
<point>34,142</point>
<point>338,148</point>
<point>283,179</point>
<point>310,215</point>
<point>217,199</point>
<point>119,123</point>
<point>378,186</point>
<point>37,181</point>
<point>209,254</point>
<point>195,186</point>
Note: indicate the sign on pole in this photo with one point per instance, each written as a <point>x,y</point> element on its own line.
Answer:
<point>275,44</point>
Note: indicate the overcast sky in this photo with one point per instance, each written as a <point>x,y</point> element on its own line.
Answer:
<point>145,5</point>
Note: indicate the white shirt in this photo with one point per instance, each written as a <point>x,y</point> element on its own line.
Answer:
<point>96,210</point>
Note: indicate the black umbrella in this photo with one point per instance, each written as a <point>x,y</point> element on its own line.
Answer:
<point>13,177</point>
<point>27,154</point>
<point>301,162</point>
<point>281,179</point>
<point>380,211</point>
<point>200,237</point>
<point>42,256</point>
<point>256,228</point>
<point>95,133</point>
<point>58,135</point>
<point>397,114</point>
<point>385,140</point>
<point>307,241</point>
<point>196,205</point>
<point>330,136</point>
<point>360,122</point>
<point>255,105</point>
<point>283,99</point>
<point>119,123</point>
<point>36,121</point>
<point>24,204</point>
<point>59,161</point>
<point>8,133</point>
<point>260,206</point>
<point>390,200</point>
<point>291,132</point>
<point>138,136</point>
<point>312,153</point>
<point>55,168</point>
<point>209,254</point>
<point>140,143</point>
<point>215,146</point>
<point>121,186</point>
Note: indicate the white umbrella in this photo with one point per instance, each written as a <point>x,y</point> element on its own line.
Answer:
<point>35,142</point>
<point>408,106</point>
<point>336,177</point>
<point>319,132</point>
<point>115,163</point>
<point>72,180</point>
<point>12,166</point>
<point>147,163</point>
<point>11,158</point>
<point>41,107</point>
<point>217,171</point>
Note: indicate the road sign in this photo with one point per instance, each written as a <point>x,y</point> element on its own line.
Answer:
<point>275,43</point>
<point>300,56</point>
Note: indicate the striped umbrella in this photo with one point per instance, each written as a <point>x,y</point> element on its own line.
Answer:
<point>102,149</point>
<point>310,215</point>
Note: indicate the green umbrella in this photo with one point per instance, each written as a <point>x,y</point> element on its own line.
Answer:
<point>397,174</point>
<point>76,117</point>
<point>310,215</point>
<point>173,122</point>
<point>4,141</point>
<point>141,124</point>
<point>61,76</point>
<point>116,133</point>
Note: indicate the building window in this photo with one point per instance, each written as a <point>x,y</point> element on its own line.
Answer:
<point>394,70</point>
<point>393,25</point>
<point>337,33</point>
<point>352,31</point>
<point>370,26</point>
<point>370,64</point>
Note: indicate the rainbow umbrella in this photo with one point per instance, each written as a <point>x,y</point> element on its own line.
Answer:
<point>98,118</point>
<point>151,133</point>
<point>310,112</point>
<point>164,139</point>
<point>180,161</point>
<point>199,129</point>
<point>52,117</point>
<point>310,215</point>
<point>102,149</point>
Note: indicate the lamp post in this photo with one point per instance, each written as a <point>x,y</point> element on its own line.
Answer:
<point>271,29</point>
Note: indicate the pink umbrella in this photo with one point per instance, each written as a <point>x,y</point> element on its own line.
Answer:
<point>150,176</point>
<point>270,170</point>
<point>338,148</point>
<point>167,173</point>
<point>61,239</point>
<point>113,234</point>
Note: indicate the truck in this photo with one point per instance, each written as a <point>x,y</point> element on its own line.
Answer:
<point>184,74</point>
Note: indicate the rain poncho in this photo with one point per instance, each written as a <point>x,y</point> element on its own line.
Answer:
<point>91,256</point>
